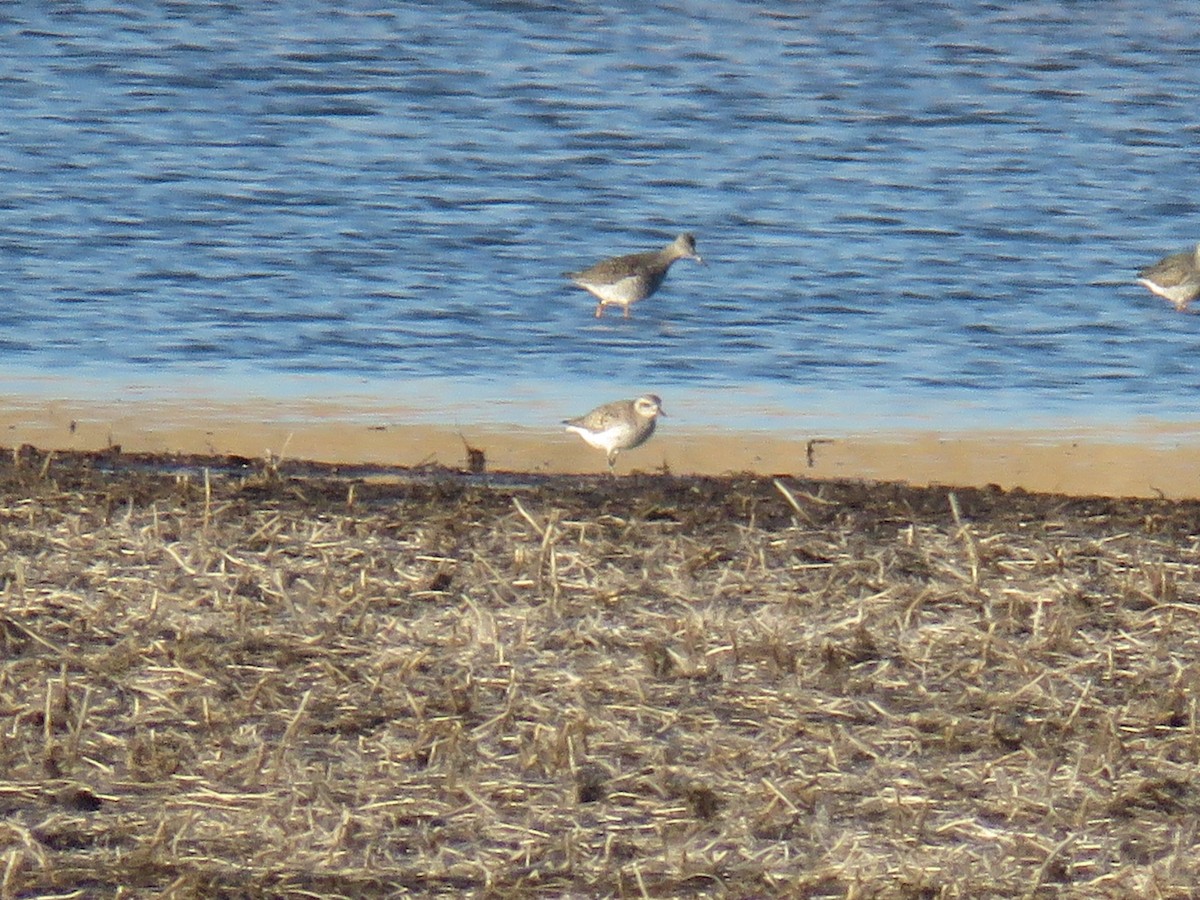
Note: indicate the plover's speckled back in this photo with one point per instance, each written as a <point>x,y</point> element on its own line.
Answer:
<point>618,426</point>
<point>623,280</point>
<point>1175,277</point>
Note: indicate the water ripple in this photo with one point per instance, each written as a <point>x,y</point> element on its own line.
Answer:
<point>899,203</point>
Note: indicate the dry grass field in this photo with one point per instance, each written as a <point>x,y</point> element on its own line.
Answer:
<point>298,682</point>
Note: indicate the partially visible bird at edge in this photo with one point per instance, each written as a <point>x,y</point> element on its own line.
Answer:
<point>1175,278</point>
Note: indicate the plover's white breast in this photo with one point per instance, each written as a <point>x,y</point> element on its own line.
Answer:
<point>604,439</point>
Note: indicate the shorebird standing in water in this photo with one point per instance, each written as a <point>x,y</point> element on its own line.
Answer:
<point>624,280</point>
<point>618,426</point>
<point>1175,277</point>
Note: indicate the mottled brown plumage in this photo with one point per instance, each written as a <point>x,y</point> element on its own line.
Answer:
<point>618,426</point>
<point>624,280</point>
<point>1175,278</point>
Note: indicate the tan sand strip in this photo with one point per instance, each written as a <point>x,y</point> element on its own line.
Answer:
<point>1148,460</point>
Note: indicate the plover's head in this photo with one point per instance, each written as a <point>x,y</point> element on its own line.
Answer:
<point>648,406</point>
<point>685,247</point>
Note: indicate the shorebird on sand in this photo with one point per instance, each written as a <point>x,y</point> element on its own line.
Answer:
<point>624,280</point>
<point>618,426</point>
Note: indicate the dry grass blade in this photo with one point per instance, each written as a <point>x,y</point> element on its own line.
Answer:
<point>791,499</point>
<point>528,518</point>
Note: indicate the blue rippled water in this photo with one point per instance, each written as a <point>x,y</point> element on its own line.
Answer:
<point>932,209</point>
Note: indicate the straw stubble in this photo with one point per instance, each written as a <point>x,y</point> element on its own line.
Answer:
<point>244,682</point>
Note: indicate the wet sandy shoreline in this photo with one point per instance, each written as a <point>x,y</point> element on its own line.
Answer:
<point>1146,460</point>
